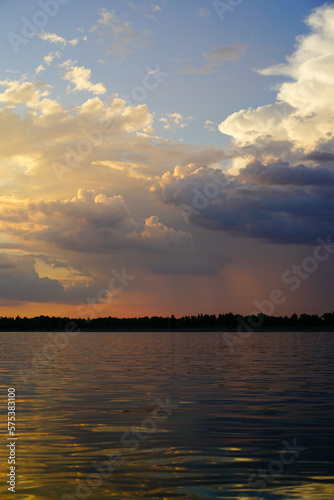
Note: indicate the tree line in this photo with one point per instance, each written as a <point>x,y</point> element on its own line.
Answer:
<point>221,322</point>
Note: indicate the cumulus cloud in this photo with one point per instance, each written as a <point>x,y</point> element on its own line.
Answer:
<point>40,134</point>
<point>18,92</point>
<point>216,58</point>
<point>80,77</point>
<point>303,115</point>
<point>37,132</point>
<point>90,232</point>
<point>275,201</point>
<point>92,222</point>
<point>120,35</point>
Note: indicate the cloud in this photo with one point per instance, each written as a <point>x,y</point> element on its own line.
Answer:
<point>280,173</point>
<point>103,226</point>
<point>303,115</point>
<point>275,202</point>
<point>210,126</point>
<point>320,157</point>
<point>53,38</point>
<point>95,223</point>
<point>80,76</point>
<point>51,261</point>
<point>174,121</point>
<point>18,92</point>
<point>33,139</point>
<point>216,58</point>
<point>39,69</point>
<point>120,35</point>
<point>62,232</point>
<point>51,56</point>
<point>20,282</point>
<point>38,132</point>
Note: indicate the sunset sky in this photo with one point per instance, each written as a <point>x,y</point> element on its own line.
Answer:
<point>165,158</point>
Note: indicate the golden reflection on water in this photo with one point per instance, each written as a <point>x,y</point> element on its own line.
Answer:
<point>234,413</point>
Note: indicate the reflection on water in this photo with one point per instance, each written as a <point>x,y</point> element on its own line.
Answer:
<point>235,411</point>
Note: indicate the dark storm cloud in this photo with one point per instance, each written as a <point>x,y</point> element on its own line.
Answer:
<point>274,202</point>
<point>320,157</point>
<point>280,173</point>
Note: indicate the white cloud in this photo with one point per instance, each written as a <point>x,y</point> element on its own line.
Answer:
<point>216,58</point>
<point>302,117</point>
<point>80,76</point>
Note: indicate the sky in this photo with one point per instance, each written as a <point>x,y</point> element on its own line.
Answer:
<point>166,158</point>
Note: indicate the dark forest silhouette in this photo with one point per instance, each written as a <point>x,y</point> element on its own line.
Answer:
<point>222,322</point>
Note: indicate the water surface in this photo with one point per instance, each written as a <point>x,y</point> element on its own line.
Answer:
<point>234,412</point>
